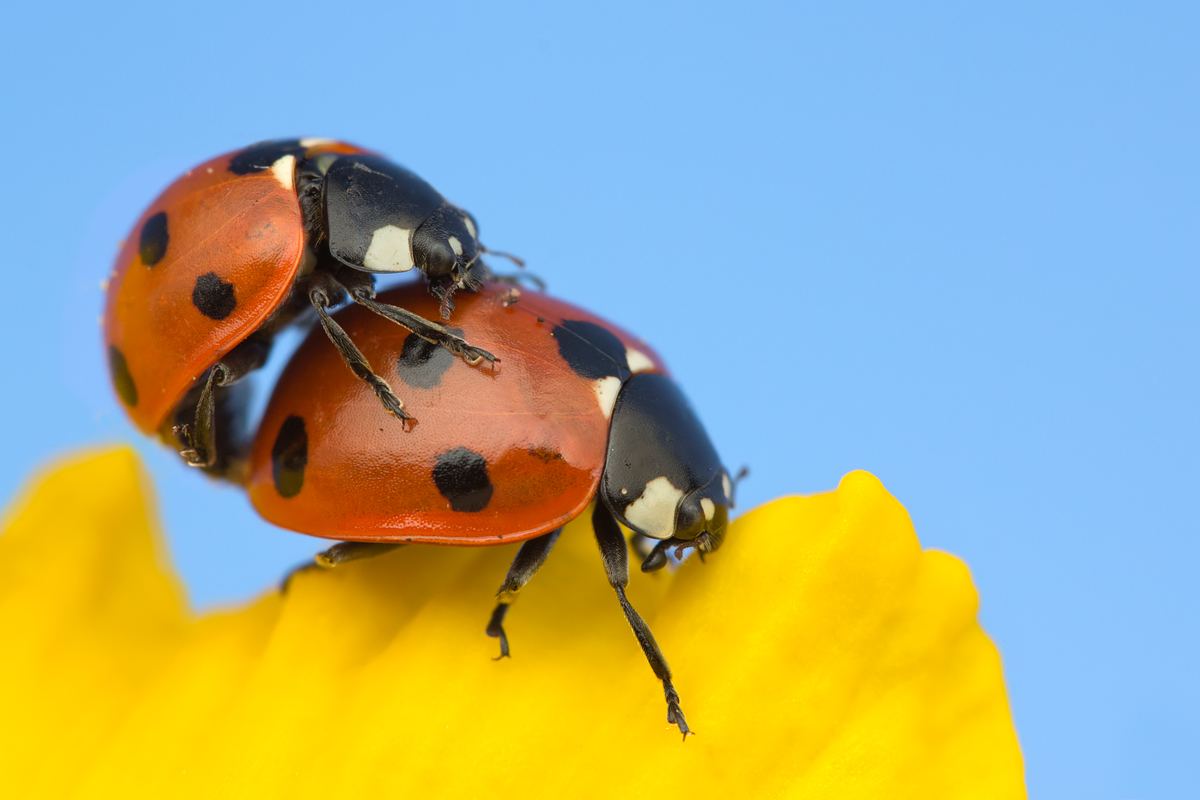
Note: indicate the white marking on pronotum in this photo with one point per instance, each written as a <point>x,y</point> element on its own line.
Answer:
<point>654,511</point>
<point>709,507</point>
<point>727,486</point>
<point>638,361</point>
<point>606,390</point>
<point>390,250</point>
<point>284,171</point>
<point>308,261</point>
<point>470,227</point>
<point>306,143</point>
<point>455,245</point>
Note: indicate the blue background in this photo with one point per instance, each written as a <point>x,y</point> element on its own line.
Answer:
<point>953,244</point>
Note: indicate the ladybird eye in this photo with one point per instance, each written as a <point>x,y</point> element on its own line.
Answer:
<point>689,520</point>
<point>440,260</point>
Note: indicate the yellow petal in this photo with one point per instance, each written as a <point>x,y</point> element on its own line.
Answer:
<point>819,653</point>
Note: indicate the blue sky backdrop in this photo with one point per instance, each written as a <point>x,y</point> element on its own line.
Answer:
<point>952,244</point>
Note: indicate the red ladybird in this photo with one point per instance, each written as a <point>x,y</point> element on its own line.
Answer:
<point>579,411</point>
<point>242,243</point>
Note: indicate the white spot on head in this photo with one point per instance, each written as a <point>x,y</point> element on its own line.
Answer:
<point>654,512</point>
<point>726,485</point>
<point>606,390</point>
<point>390,250</point>
<point>306,143</point>
<point>470,226</point>
<point>638,361</point>
<point>284,171</point>
<point>709,508</point>
<point>208,170</point>
<point>456,246</point>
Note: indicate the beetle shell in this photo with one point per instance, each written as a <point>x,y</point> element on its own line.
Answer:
<point>209,262</point>
<point>499,454</point>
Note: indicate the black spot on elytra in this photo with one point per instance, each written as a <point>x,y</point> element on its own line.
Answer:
<point>121,378</point>
<point>258,157</point>
<point>289,457</point>
<point>591,350</point>
<point>461,476</point>
<point>423,363</point>
<point>213,297</point>
<point>153,244</point>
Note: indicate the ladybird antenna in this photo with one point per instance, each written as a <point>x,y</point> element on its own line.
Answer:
<point>501,254</point>
<point>537,282</point>
<point>742,473</point>
<point>519,279</point>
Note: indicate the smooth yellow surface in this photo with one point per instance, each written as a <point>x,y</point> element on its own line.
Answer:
<point>820,653</point>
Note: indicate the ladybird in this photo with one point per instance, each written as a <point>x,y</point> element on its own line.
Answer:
<point>581,413</point>
<point>240,245</point>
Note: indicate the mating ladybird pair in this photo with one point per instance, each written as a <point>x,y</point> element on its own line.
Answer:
<point>524,409</point>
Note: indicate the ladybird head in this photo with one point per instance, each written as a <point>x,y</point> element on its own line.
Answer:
<point>701,519</point>
<point>445,245</point>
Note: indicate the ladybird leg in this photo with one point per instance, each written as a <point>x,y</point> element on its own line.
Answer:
<point>641,544</point>
<point>200,438</point>
<point>615,555</point>
<point>340,553</point>
<point>529,559</point>
<point>361,288</point>
<point>431,332</point>
<point>656,559</point>
<point>319,295</point>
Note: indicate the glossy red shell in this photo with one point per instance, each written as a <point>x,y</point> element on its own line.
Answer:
<point>539,426</point>
<point>246,230</point>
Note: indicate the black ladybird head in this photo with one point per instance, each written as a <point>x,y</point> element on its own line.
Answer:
<point>445,246</point>
<point>662,477</point>
<point>703,516</point>
<point>701,520</point>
